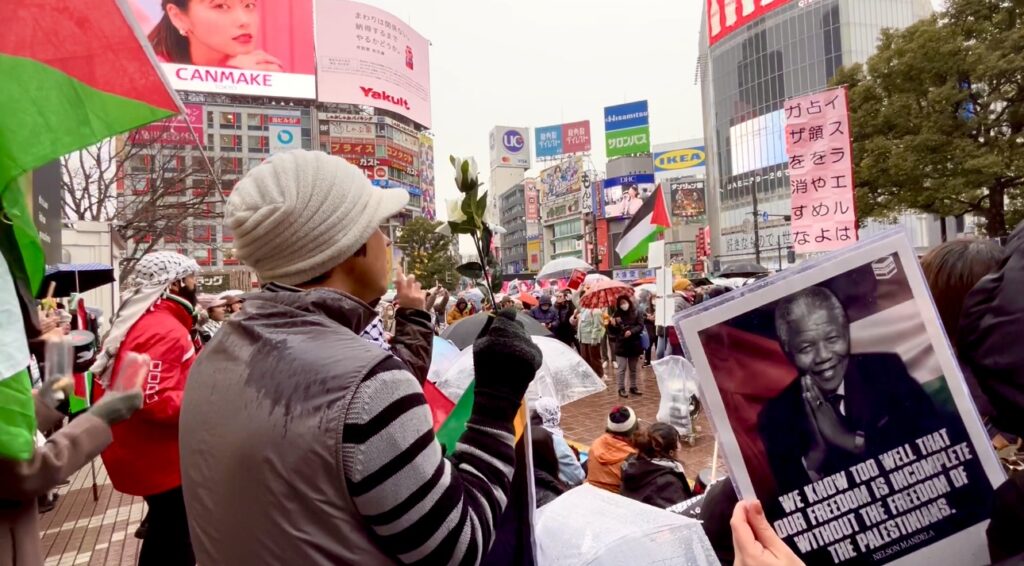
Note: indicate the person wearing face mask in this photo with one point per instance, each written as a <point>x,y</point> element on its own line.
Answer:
<point>156,318</point>
<point>545,314</point>
<point>625,327</point>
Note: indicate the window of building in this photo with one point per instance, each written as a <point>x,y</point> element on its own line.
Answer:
<point>256,122</point>
<point>230,120</point>
<point>202,233</point>
<point>230,142</point>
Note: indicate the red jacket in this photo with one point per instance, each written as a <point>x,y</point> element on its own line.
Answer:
<point>144,457</point>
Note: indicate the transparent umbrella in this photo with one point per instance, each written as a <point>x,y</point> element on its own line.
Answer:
<point>563,375</point>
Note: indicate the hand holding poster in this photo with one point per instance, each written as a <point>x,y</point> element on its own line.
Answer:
<point>821,171</point>
<point>839,404</point>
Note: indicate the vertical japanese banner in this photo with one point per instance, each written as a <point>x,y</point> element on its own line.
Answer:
<point>821,171</point>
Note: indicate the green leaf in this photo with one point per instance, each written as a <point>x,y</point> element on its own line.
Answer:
<point>473,270</point>
<point>486,240</point>
<point>467,207</point>
<point>481,205</point>
<point>453,159</point>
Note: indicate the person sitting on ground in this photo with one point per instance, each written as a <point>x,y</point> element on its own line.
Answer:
<point>545,467</point>
<point>550,415</point>
<point>655,476</point>
<point>332,435</point>
<point>610,450</point>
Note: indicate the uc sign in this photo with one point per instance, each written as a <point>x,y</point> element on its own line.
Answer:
<point>680,159</point>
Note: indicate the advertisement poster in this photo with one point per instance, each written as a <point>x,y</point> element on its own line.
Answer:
<point>821,171</point>
<point>427,176</point>
<point>510,147</point>
<point>533,253</point>
<point>562,180</point>
<point>285,133</point>
<point>177,131</point>
<point>726,16</point>
<point>549,141</point>
<point>248,48</point>
<point>532,200</point>
<point>627,129</point>
<point>563,139</point>
<point>840,405</point>
<point>687,199</point>
<point>623,196</point>
<point>368,56</point>
<point>684,161</point>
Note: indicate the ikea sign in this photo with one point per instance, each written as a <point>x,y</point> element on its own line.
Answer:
<point>677,159</point>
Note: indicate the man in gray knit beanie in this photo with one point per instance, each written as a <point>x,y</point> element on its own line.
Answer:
<point>302,443</point>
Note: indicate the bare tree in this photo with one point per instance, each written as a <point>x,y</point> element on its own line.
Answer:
<point>152,184</point>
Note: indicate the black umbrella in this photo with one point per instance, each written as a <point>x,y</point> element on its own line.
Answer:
<point>464,332</point>
<point>75,278</point>
<point>746,269</point>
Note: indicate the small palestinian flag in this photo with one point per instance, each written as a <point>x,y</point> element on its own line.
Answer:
<point>72,73</point>
<point>646,226</point>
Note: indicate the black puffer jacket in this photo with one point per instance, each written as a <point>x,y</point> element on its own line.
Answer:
<point>654,482</point>
<point>628,320</point>
<point>989,341</point>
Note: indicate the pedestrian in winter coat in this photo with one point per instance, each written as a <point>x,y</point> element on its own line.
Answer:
<point>545,314</point>
<point>63,453</point>
<point>989,339</point>
<point>549,415</point>
<point>155,318</point>
<point>591,333</point>
<point>610,450</point>
<point>460,311</point>
<point>216,311</point>
<point>333,433</point>
<point>564,311</point>
<point>625,328</point>
<point>654,476</point>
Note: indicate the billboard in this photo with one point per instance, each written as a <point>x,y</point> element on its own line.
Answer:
<point>562,180</point>
<point>173,131</point>
<point>563,139</point>
<point>285,132</point>
<point>623,196</point>
<point>758,143</point>
<point>427,175</point>
<point>533,253</point>
<point>688,201</point>
<point>627,129</point>
<point>510,147</point>
<point>255,49</point>
<point>681,160</point>
<point>532,200</point>
<point>726,16</point>
<point>370,57</point>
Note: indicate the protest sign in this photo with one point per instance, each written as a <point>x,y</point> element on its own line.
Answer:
<point>839,404</point>
<point>821,171</point>
<point>576,279</point>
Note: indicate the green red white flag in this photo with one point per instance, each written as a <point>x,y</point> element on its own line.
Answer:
<point>72,73</point>
<point>646,226</point>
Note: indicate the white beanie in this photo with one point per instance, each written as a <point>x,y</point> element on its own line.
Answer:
<point>621,420</point>
<point>301,213</point>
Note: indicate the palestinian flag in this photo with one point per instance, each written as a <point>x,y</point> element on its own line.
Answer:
<point>646,226</point>
<point>72,73</point>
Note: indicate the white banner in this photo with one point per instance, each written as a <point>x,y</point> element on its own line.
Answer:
<point>284,138</point>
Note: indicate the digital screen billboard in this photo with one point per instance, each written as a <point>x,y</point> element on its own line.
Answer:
<point>371,57</point>
<point>758,143</point>
<point>623,196</point>
<point>246,47</point>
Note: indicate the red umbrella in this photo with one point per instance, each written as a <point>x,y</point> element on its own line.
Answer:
<point>644,281</point>
<point>604,294</point>
<point>528,300</point>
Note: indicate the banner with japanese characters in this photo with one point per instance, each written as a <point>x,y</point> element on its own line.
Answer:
<point>821,171</point>
<point>839,404</point>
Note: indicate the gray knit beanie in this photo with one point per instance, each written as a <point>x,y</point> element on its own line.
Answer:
<point>301,213</point>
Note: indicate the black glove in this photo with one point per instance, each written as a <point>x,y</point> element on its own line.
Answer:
<point>117,406</point>
<point>505,362</point>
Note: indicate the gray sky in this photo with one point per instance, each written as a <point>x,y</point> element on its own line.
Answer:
<point>535,63</point>
<point>542,62</point>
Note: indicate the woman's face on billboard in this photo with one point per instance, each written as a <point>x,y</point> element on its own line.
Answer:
<point>218,28</point>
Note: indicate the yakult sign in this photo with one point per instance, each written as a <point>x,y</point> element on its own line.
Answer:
<point>725,16</point>
<point>510,147</point>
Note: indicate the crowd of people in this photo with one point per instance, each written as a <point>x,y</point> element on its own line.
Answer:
<point>289,425</point>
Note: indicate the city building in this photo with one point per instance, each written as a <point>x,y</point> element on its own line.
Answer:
<point>679,168</point>
<point>520,217</point>
<point>238,134</point>
<point>560,189</point>
<point>750,63</point>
